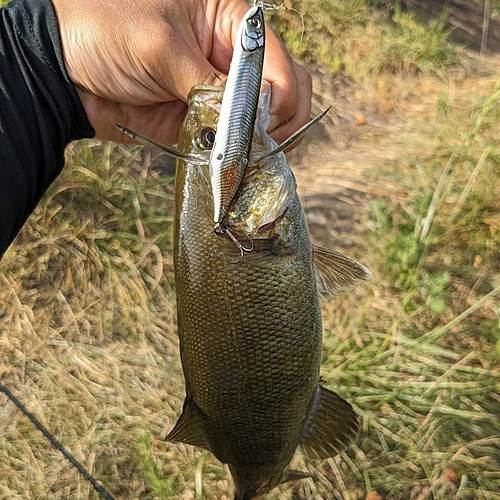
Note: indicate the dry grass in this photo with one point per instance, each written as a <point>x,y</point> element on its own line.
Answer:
<point>418,351</point>
<point>87,321</point>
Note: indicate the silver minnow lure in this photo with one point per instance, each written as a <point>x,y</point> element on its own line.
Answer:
<point>231,150</point>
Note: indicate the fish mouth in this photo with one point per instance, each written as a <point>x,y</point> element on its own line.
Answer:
<point>270,226</point>
<point>263,200</point>
<point>254,223</point>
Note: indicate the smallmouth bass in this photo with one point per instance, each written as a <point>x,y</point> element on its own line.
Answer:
<point>250,328</point>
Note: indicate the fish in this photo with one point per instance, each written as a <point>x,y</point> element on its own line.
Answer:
<point>250,327</point>
<point>230,153</point>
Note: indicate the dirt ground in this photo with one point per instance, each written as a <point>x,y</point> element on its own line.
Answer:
<point>337,163</point>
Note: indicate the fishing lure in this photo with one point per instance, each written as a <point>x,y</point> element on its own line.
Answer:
<point>231,150</point>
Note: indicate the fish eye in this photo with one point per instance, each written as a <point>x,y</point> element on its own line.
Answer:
<point>206,138</point>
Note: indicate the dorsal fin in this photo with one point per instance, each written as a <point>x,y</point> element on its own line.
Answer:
<point>189,427</point>
<point>335,272</point>
<point>331,426</point>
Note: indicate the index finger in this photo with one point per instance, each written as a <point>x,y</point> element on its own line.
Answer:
<point>291,89</point>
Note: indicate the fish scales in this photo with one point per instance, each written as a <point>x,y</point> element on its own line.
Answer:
<point>238,336</point>
<point>233,324</point>
<point>250,333</point>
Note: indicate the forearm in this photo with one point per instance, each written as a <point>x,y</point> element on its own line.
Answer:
<point>40,111</point>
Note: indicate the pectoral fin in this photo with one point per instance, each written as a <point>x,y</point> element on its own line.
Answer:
<point>170,151</point>
<point>331,426</point>
<point>335,272</point>
<point>189,427</point>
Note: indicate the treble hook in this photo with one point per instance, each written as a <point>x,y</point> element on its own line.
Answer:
<point>221,229</point>
<point>215,75</point>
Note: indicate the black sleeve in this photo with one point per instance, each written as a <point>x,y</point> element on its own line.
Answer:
<point>40,111</point>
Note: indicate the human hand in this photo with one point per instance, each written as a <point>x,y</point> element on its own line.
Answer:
<point>134,63</point>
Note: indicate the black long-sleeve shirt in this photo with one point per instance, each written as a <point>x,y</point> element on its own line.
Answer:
<point>40,111</point>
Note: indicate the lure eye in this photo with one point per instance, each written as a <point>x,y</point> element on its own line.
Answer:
<point>206,138</point>
<point>257,23</point>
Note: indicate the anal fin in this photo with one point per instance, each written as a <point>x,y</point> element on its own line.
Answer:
<point>331,426</point>
<point>189,427</point>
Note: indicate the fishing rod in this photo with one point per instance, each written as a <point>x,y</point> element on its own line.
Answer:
<point>57,445</point>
